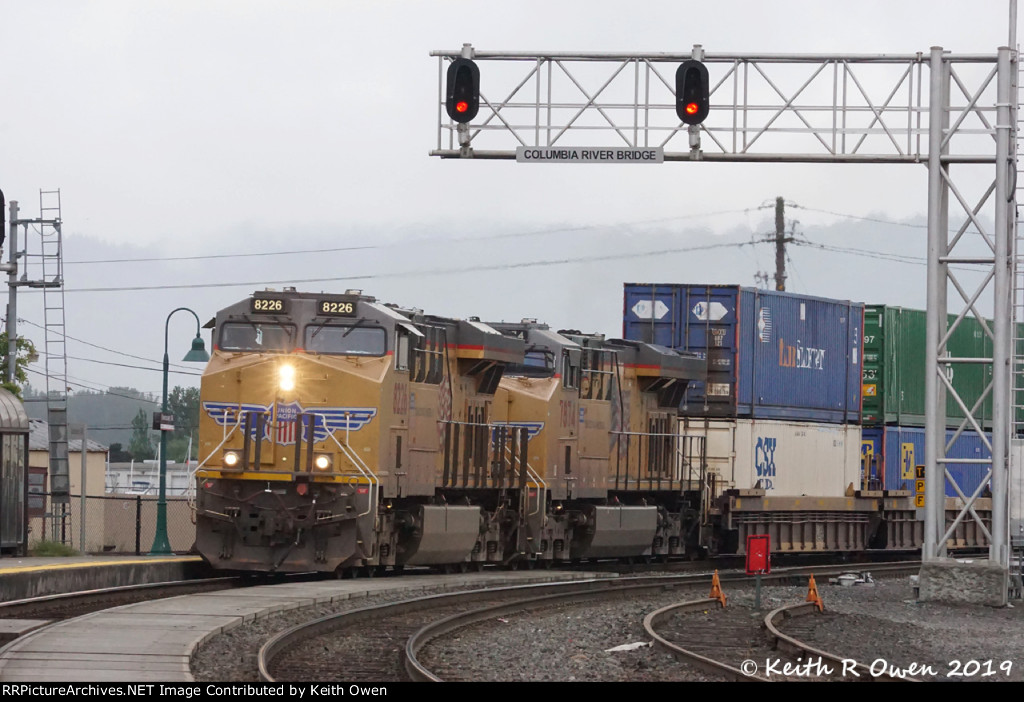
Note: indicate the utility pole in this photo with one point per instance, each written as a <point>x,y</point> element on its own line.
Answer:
<point>12,300</point>
<point>780,239</point>
<point>780,244</point>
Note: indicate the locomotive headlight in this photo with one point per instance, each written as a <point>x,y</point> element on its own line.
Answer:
<point>322,462</point>
<point>231,459</point>
<point>286,377</point>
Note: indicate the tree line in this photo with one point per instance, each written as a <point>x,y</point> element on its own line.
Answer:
<point>122,419</point>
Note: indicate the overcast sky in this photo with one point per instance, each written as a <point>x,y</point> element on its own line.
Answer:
<point>191,129</point>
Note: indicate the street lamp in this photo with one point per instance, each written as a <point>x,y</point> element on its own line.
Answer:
<point>161,544</point>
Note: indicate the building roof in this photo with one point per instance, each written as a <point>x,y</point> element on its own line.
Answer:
<point>12,412</point>
<point>39,439</point>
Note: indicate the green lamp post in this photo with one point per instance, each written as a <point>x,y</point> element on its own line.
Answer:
<point>161,544</point>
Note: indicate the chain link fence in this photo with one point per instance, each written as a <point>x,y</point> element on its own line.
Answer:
<point>114,524</point>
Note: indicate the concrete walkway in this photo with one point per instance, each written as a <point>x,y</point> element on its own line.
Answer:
<point>153,641</point>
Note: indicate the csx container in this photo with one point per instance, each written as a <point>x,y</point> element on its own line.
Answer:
<point>771,355</point>
<point>892,454</point>
<point>785,459</point>
<point>894,358</point>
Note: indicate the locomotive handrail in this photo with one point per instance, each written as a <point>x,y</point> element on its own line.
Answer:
<point>354,458</point>
<point>538,481</point>
<point>190,493</point>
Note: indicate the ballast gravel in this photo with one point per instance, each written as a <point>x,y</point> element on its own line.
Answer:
<point>878,623</point>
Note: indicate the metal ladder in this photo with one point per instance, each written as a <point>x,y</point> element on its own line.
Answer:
<point>50,260</point>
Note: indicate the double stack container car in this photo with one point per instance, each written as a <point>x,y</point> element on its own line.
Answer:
<point>894,405</point>
<point>791,380</point>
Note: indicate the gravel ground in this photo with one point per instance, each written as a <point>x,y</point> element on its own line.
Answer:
<point>868,622</point>
<point>883,624</point>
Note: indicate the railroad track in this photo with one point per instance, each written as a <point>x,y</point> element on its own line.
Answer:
<point>391,637</point>
<point>380,633</point>
<point>733,644</point>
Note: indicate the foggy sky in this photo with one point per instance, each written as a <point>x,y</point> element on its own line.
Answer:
<point>185,129</point>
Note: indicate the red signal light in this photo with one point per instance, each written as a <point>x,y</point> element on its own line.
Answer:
<point>692,92</point>
<point>462,93</point>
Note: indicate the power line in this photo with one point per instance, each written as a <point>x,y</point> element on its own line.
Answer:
<point>104,348</point>
<point>865,219</point>
<point>123,365</point>
<point>426,240</point>
<point>128,365</point>
<point>88,387</point>
<point>434,272</point>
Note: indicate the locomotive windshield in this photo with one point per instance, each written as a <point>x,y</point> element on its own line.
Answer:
<point>241,336</point>
<point>347,340</point>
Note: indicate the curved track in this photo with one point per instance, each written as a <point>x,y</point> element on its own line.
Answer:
<point>391,636</point>
<point>729,644</point>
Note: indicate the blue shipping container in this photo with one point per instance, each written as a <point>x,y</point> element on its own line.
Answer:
<point>893,452</point>
<point>771,355</point>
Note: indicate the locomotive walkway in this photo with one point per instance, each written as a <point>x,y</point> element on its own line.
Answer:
<point>153,641</point>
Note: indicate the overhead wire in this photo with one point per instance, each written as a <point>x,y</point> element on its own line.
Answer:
<point>89,387</point>
<point>406,243</point>
<point>428,273</point>
<point>103,348</point>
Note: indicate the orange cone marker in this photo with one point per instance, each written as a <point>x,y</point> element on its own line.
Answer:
<point>716,590</point>
<point>813,596</point>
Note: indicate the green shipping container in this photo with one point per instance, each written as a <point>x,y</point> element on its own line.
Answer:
<point>894,361</point>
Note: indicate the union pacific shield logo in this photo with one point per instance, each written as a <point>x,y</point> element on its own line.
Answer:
<point>281,425</point>
<point>532,428</point>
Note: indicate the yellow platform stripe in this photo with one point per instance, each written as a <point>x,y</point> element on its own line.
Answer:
<point>92,564</point>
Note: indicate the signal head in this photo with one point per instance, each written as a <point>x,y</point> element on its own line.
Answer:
<point>692,92</point>
<point>462,93</point>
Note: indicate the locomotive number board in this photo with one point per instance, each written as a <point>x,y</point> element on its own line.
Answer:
<point>268,305</point>
<point>336,308</point>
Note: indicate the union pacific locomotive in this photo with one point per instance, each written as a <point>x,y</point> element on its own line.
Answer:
<point>340,434</point>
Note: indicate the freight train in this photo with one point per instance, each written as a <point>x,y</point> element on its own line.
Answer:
<point>341,434</point>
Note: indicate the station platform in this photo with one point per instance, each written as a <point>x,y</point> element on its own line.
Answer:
<point>154,641</point>
<point>21,578</point>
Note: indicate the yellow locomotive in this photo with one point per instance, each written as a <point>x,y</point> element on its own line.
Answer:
<point>341,434</point>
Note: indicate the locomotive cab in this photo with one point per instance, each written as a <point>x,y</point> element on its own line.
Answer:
<point>338,433</point>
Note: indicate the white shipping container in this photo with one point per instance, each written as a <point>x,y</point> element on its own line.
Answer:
<point>1017,489</point>
<point>784,458</point>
